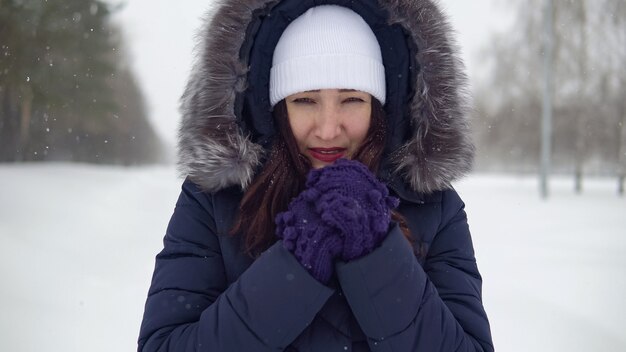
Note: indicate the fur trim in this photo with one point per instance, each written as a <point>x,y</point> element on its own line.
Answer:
<point>215,154</point>
<point>441,149</point>
<point>212,151</point>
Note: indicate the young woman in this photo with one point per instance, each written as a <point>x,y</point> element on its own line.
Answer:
<point>319,140</point>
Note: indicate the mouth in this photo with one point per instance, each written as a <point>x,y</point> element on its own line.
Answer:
<point>327,155</point>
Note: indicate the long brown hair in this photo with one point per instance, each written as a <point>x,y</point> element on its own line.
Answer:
<point>283,177</point>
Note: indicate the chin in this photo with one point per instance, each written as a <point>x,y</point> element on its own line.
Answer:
<point>319,165</point>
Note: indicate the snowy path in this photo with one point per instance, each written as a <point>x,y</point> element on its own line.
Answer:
<point>77,246</point>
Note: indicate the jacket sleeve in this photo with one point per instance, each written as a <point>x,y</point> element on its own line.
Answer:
<point>402,306</point>
<point>189,307</point>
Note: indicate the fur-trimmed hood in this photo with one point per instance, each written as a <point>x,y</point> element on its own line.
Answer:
<point>227,126</point>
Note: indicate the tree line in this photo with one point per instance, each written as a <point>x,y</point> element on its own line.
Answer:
<point>589,105</point>
<point>66,90</point>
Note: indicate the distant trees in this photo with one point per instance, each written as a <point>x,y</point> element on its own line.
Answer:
<point>65,90</point>
<point>589,90</point>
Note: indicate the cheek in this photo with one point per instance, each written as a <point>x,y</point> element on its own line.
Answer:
<point>359,126</point>
<point>299,130</point>
<point>363,128</point>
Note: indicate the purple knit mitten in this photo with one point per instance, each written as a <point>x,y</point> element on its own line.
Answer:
<point>312,241</point>
<point>354,201</point>
<point>343,212</point>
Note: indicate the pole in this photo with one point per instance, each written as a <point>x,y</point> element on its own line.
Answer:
<point>546,125</point>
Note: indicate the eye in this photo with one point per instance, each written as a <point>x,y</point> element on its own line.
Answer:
<point>354,100</point>
<point>303,100</point>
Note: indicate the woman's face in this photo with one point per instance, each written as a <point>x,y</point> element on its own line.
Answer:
<point>329,124</point>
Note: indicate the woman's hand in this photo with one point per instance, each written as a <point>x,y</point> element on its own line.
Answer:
<point>313,241</point>
<point>344,212</point>
<point>354,201</point>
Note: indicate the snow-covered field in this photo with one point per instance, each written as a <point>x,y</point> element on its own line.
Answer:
<point>77,246</point>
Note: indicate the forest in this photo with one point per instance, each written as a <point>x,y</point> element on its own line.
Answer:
<point>67,92</point>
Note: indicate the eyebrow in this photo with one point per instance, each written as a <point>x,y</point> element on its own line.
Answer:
<point>340,90</point>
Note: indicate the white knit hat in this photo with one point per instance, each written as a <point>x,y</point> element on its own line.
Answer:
<point>327,47</point>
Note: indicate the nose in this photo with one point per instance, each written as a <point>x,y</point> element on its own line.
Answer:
<point>328,124</point>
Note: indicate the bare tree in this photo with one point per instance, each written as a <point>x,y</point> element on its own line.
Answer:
<point>589,86</point>
<point>618,23</point>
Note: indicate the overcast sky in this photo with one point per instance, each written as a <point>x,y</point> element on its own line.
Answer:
<point>160,40</point>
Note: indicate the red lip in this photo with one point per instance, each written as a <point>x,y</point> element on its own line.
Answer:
<point>327,155</point>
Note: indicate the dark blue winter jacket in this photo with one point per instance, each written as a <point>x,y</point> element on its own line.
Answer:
<point>208,296</point>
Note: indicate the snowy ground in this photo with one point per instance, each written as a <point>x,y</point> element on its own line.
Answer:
<point>77,246</point>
